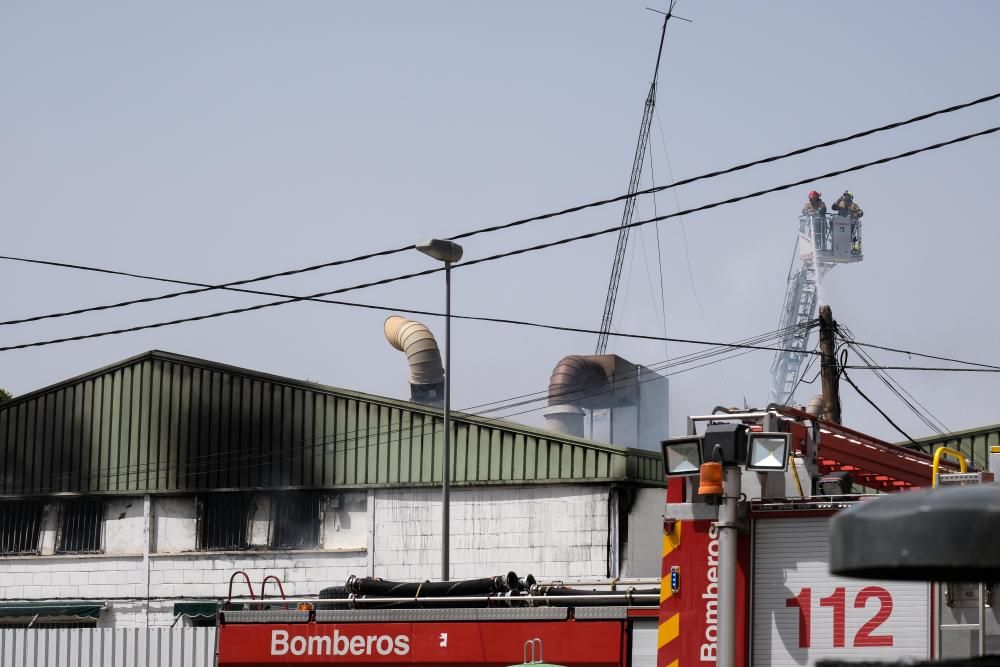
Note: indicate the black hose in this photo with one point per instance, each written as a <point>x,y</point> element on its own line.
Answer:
<point>375,587</point>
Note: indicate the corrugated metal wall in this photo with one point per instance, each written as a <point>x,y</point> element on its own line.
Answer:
<point>108,647</point>
<point>162,423</point>
<point>974,443</point>
<point>791,571</point>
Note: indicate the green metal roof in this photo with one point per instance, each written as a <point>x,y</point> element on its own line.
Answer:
<point>974,443</point>
<point>165,423</point>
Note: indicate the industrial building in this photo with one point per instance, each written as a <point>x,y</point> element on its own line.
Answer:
<point>129,494</point>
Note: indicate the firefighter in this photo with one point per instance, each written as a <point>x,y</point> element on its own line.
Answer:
<point>846,206</point>
<point>815,208</point>
<point>815,205</point>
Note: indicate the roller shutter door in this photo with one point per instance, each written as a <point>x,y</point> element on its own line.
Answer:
<point>801,613</point>
<point>644,647</point>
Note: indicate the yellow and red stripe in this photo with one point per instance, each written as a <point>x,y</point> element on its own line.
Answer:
<point>668,651</point>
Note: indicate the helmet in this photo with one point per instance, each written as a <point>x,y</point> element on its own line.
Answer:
<point>813,195</point>
<point>848,194</point>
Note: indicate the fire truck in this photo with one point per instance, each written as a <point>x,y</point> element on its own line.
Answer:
<point>796,472</point>
<point>496,621</point>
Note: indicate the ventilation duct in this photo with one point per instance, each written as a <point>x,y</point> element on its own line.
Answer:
<point>573,379</point>
<point>627,403</point>
<point>422,353</point>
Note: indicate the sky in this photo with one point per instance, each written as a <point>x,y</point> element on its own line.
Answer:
<point>218,141</point>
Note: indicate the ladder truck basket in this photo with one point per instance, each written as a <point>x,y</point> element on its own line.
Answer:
<point>831,239</point>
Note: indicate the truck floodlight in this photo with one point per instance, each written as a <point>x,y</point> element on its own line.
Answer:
<point>682,456</point>
<point>768,452</point>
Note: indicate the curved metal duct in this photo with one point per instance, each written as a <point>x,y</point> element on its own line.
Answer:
<point>573,379</point>
<point>417,342</point>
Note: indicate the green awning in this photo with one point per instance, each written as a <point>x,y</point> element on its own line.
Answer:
<point>80,609</point>
<point>196,609</point>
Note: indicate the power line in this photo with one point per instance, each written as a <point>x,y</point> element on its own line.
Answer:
<point>877,408</point>
<point>495,320</point>
<point>232,286</point>
<point>664,365</point>
<point>739,167</point>
<point>925,356</point>
<point>925,415</point>
<point>929,369</point>
<point>511,253</point>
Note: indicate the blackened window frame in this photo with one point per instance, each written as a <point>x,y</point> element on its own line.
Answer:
<point>81,526</point>
<point>224,521</point>
<point>21,523</point>
<point>296,519</point>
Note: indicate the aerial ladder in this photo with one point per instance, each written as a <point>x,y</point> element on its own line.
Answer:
<point>824,241</point>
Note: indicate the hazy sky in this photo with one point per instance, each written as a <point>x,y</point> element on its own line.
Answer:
<point>218,141</point>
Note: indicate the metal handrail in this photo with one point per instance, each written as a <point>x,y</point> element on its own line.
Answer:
<point>955,454</point>
<point>532,643</point>
<point>229,595</point>
<point>275,579</point>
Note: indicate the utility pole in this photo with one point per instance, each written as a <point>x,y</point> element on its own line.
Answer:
<point>828,365</point>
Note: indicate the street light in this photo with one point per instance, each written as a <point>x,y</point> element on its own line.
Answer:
<point>448,252</point>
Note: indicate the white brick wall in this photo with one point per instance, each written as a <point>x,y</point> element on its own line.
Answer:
<point>551,532</point>
<point>557,532</point>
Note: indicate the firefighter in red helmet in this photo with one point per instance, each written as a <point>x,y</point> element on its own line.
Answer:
<point>815,205</point>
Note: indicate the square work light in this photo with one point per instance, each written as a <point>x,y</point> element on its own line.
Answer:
<point>768,452</point>
<point>682,456</point>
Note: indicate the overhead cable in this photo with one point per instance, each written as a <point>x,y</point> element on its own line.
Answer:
<point>877,408</point>
<point>232,286</point>
<point>925,356</point>
<point>929,369</point>
<point>511,253</point>
<point>894,386</point>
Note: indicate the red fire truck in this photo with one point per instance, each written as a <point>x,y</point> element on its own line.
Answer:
<point>790,610</point>
<point>495,622</point>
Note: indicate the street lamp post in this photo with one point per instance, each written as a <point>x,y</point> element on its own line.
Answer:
<point>448,252</point>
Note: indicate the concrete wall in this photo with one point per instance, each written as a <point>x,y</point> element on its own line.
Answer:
<point>643,554</point>
<point>553,532</point>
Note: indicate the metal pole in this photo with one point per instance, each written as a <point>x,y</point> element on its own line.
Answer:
<point>726,656</point>
<point>446,454</point>
<point>982,619</point>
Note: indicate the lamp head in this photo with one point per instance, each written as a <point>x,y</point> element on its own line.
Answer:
<point>682,456</point>
<point>768,452</point>
<point>440,249</point>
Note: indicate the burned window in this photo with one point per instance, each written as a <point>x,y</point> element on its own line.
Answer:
<point>20,526</point>
<point>295,519</point>
<point>224,521</point>
<point>81,525</point>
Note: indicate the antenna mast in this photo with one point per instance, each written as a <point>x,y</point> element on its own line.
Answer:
<point>633,187</point>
